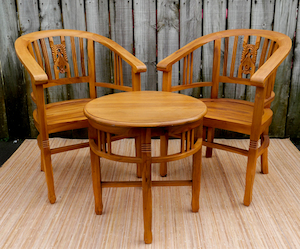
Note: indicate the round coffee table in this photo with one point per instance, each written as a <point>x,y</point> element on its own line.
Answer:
<point>142,115</point>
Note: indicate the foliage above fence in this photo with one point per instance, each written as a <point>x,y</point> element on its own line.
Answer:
<point>151,30</point>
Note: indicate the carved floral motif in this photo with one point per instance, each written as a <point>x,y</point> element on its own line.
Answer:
<point>60,58</point>
<point>248,59</point>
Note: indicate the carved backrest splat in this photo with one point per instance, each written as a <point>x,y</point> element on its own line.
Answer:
<point>60,59</point>
<point>248,58</point>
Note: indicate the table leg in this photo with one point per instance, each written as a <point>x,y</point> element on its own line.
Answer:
<point>196,178</point>
<point>163,152</point>
<point>197,165</point>
<point>138,154</point>
<point>146,184</point>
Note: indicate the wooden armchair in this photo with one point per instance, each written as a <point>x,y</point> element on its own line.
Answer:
<point>58,57</point>
<point>261,52</point>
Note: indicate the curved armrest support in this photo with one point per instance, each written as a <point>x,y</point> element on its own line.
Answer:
<point>135,63</point>
<point>166,64</point>
<point>34,69</point>
<point>260,77</point>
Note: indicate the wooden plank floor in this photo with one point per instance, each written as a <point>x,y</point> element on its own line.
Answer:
<point>28,220</point>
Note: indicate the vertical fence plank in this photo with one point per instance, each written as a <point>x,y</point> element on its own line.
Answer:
<point>262,14</point>
<point>122,30</point>
<point>284,22</point>
<point>51,18</point>
<point>190,29</point>
<point>214,19</point>
<point>97,21</point>
<point>74,18</point>
<point>168,34</point>
<point>238,18</point>
<point>29,22</point>
<point>145,40</point>
<point>293,117</point>
<point>12,74</point>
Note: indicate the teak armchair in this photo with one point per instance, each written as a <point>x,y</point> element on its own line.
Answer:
<point>256,67</point>
<point>60,57</point>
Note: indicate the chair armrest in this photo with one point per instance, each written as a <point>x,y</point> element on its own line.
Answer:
<point>135,63</point>
<point>260,77</point>
<point>34,69</point>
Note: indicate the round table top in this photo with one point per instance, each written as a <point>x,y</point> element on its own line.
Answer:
<point>145,109</point>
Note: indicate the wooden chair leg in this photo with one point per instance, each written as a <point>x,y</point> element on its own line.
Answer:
<point>163,152</point>
<point>264,156</point>
<point>250,174</point>
<point>138,154</point>
<point>210,138</point>
<point>96,176</point>
<point>39,140</point>
<point>46,161</point>
<point>146,185</point>
<point>197,165</point>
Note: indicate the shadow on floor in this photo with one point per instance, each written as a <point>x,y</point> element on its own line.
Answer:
<point>7,148</point>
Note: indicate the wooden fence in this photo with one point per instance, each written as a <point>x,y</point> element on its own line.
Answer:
<point>151,30</point>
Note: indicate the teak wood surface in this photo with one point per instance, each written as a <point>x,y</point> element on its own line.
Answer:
<point>54,58</point>
<point>262,52</point>
<point>143,115</point>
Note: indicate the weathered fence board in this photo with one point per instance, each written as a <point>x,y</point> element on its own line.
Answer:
<point>50,14</point>
<point>262,14</point>
<point>214,19</point>
<point>167,34</point>
<point>121,30</point>
<point>145,40</point>
<point>293,120</point>
<point>191,20</point>
<point>12,78</point>
<point>238,18</point>
<point>29,22</point>
<point>284,22</point>
<point>151,30</point>
<point>74,18</point>
<point>97,21</point>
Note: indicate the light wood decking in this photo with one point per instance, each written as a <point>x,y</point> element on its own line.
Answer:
<point>28,220</point>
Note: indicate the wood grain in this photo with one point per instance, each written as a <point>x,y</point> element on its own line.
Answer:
<point>285,23</point>
<point>238,17</point>
<point>293,123</point>
<point>167,34</point>
<point>145,40</point>
<point>11,78</point>
<point>97,21</point>
<point>214,20</point>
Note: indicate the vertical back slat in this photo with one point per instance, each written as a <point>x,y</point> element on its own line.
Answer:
<point>270,49</point>
<point>184,71</point>
<point>225,56</point>
<point>191,71</point>
<point>115,68</point>
<point>46,58</point>
<point>74,56</point>
<point>82,57</point>
<point>263,52</point>
<point>188,69</point>
<point>121,71</point>
<point>91,68</point>
<point>38,53</point>
<point>235,44</point>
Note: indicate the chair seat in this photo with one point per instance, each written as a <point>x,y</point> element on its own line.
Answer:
<point>64,115</point>
<point>234,115</point>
